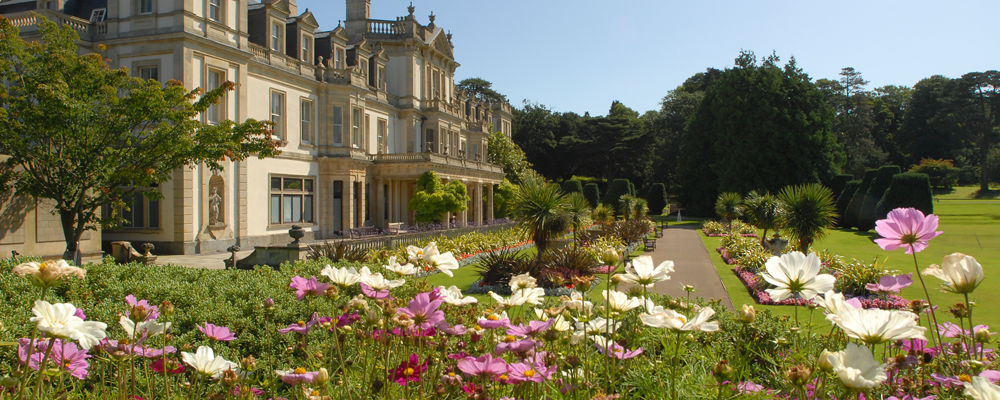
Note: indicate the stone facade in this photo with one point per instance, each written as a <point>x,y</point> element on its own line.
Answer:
<point>361,111</point>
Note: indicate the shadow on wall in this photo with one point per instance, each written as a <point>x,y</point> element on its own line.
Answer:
<point>12,216</point>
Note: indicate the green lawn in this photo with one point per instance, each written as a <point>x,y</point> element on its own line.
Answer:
<point>970,227</point>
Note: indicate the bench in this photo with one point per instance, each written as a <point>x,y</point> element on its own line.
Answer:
<point>363,231</point>
<point>394,227</point>
<point>649,243</point>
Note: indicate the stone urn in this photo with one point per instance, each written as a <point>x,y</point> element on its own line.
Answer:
<point>776,244</point>
<point>296,233</point>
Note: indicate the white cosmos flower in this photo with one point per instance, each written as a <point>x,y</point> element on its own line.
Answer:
<point>453,295</point>
<point>377,281</point>
<point>642,272</point>
<point>982,389</point>
<point>874,326</point>
<point>206,362</point>
<point>833,302</point>
<point>669,319</point>
<point>134,330</point>
<point>417,254</point>
<point>59,321</point>
<point>796,273</point>
<point>857,368</point>
<point>502,301</point>
<point>960,273</point>
<point>620,302</point>
<point>445,262</point>
<point>577,302</point>
<point>531,296</point>
<point>48,273</point>
<point>523,281</point>
<point>599,326</point>
<point>559,325</point>
<point>342,277</point>
<point>405,269</point>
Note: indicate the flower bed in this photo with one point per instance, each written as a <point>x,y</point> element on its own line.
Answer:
<point>751,280</point>
<point>724,234</point>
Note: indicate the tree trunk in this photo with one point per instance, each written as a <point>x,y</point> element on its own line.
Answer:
<point>984,158</point>
<point>72,234</point>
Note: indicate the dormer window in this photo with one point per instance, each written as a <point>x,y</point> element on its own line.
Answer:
<point>50,5</point>
<point>381,78</point>
<point>364,68</point>
<point>215,10</point>
<point>306,48</point>
<point>145,6</point>
<point>338,59</point>
<point>98,15</point>
<point>276,37</point>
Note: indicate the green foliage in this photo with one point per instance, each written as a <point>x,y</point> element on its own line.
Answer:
<point>541,211</point>
<point>505,153</point>
<point>713,228</point>
<point>844,200</point>
<point>868,216</point>
<point>563,264</point>
<point>754,257</point>
<point>852,218</point>
<point>631,189</point>
<point>86,136</point>
<point>760,127</point>
<point>657,198</point>
<point>603,214</point>
<point>809,212</point>
<point>908,190</point>
<point>593,194</point>
<point>618,189</point>
<point>578,211</point>
<point>504,199</point>
<point>839,182</point>
<point>572,186</point>
<point>942,173</point>
<point>632,207</point>
<point>852,277</point>
<point>480,88</point>
<point>763,211</point>
<point>432,198</point>
<point>729,206</point>
<point>498,267</point>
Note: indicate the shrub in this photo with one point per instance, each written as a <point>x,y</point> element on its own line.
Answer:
<point>993,160</point>
<point>432,198</point>
<point>619,188</point>
<point>629,231</point>
<point>498,267</point>
<point>603,214</point>
<point>657,198</point>
<point>867,218</point>
<point>729,206</point>
<point>907,190</point>
<point>763,211</point>
<point>713,228</point>
<point>854,207</point>
<point>336,251</point>
<point>593,194</point>
<point>809,212</point>
<point>572,186</point>
<point>839,182</point>
<point>844,199</point>
<point>942,173</point>
<point>561,266</point>
<point>631,189</point>
<point>754,257</point>
<point>852,277</point>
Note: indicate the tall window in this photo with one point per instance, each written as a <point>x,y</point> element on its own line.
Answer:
<point>364,68</point>
<point>145,6</point>
<point>215,10</point>
<point>150,72</point>
<point>338,125</point>
<point>338,59</point>
<point>291,200</point>
<point>382,128</point>
<point>307,124</point>
<point>475,152</point>
<point>306,53</point>
<point>276,37</point>
<point>381,78</point>
<point>138,212</point>
<point>356,128</point>
<point>278,113</point>
<point>50,5</point>
<point>367,132</point>
<point>216,111</point>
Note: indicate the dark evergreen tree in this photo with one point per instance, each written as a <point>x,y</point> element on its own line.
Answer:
<point>844,199</point>
<point>868,216</point>
<point>618,189</point>
<point>593,194</point>
<point>839,182</point>
<point>572,186</point>
<point>858,199</point>
<point>907,190</point>
<point>657,198</point>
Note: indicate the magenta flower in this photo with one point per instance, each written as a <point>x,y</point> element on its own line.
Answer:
<point>522,372</point>
<point>372,293</point>
<point>494,323</point>
<point>517,346</point>
<point>79,313</point>
<point>347,319</point>
<point>483,365</point>
<point>151,353</point>
<point>908,228</point>
<point>951,330</point>
<point>297,376</point>
<point>617,351</point>
<point>171,367</point>
<point>423,311</point>
<point>533,328</point>
<point>748,387</point>
<point>301,327</point>
<point>305,286</point>
<point>409,371</point>
<point>65,355</point>
<point>220,333</point>
<point>918,347</point>
<point>457,330</point>
<point>141,308</point>
<point>891,283</point>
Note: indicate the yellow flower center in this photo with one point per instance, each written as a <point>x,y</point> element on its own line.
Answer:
<point>478,328</point>
<point>42,267</point>
<point>503,377</point>
<point>509,338</point>
<point>408,372</point>
<point>300,370</point>
<point>451,374</point>
<point>683,319</point>
<point>529,373</point>
<point>965,378</point>
<point>314,393</point>
<point>493,317</point>
<point>302,324</point>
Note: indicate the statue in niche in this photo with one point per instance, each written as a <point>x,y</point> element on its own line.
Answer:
<point>214,205</point>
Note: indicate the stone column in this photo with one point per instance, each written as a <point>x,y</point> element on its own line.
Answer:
<point>477,203</point>
<point>463,217</point>
<point>379,206</point>
<point>347,204</point>
<point>362,201</point>
<point>489,202</point>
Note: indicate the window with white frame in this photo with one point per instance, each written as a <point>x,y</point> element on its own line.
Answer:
<point>307,121</point>
<point>364,68</point>
<point>382,131</point>
<point>145,6</point>
<point>338,60</point>
<point>356,128</point>
<point>307,48</point>
<point>276,37</point>
<point>216,111</point>
<point>291,200</point>
<point>475,152</point>
<point>381,78</point>
<point>215,10</point>
<point>278,114</point>
<point>98,15</point>
<point>50,5</point>
<point>149,72</point>
<point>338,126</point>
<point>138,212</point>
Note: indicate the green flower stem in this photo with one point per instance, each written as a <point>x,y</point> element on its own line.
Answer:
<point>930,304</point>
<point>41,367</point>
<point>673,369</point>
<point>972,329</point>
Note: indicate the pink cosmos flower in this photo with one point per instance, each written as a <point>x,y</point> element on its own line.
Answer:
<point>533,328</point>
<point>305,286</point>
<point>482,365</point>
<point>141,307</point>
<point>951,330</point>
<point>409,371</point>
<point>79,313</point>
<point>519,346</point>
<point>239,391</point>
<point>492,324</point>
<point>301,327</point>
<point>297,376</point>
<point>907,228</point>
<point>748,387</point>
<point>372,293</point>
<point>522,372</point>
<point>617,351</point>
<point>151,353</point>
<point>171,368</point>
<point>423,311</point>
<point>65,355</point>
<point>457,330</point>
<point>891,283</point>
<point>220,333</point>
<point>917,347</point>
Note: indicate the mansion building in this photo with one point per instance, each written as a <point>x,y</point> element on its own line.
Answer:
<point>361,111</point>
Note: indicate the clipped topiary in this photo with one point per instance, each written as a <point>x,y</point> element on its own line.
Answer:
<point>854,206</point>
<point>572,186</point>
<point>867,218</point>
<point>657,198</point>
<point>631,189</point>
<point>845,199</point>
<point>907,190</point>
<point>839,182</point>
<point>592,193</point>
<point>618,189</point>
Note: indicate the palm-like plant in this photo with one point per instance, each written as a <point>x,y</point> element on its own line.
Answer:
<point>627,204</point>
<point>809,212</point>
<point>763,211</point>
<point>729,206</point>
<point>541,211</point>
<point>603,214</point>
<point>578,211</point>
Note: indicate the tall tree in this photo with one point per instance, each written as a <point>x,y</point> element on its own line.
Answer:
<point>85,135</point>
<point>889,104</point>
<point>975,110</point>
<point>923,132</point>
<point>481,89</point>
<point>677,108</point>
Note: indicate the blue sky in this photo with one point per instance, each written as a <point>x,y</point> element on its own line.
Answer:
<point>581,55</point>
